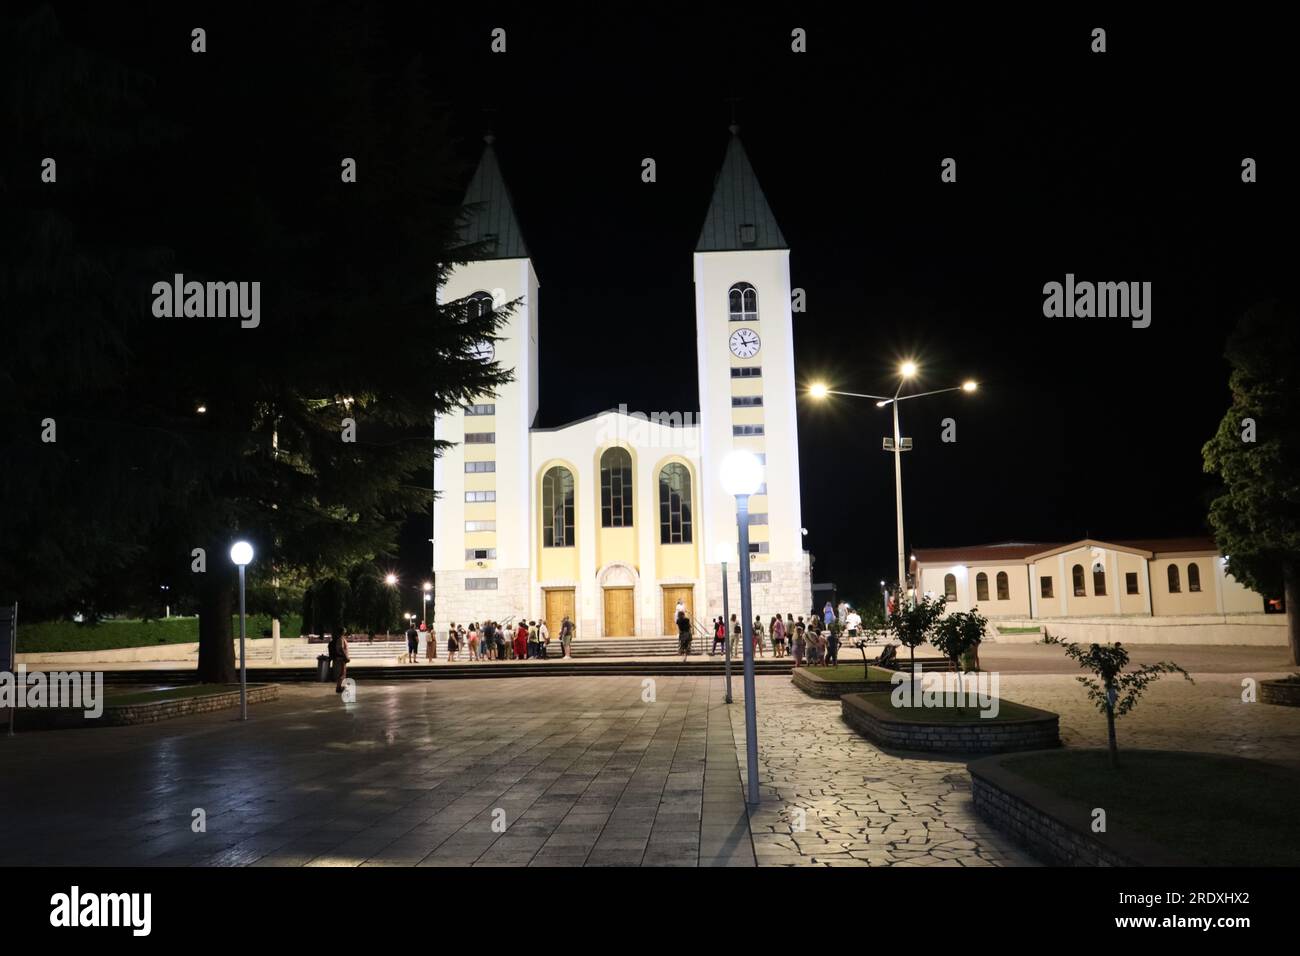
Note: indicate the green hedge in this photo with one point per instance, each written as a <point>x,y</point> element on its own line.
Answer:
<point>70,636</point>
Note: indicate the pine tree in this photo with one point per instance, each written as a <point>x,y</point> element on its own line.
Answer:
<point>226,167</point>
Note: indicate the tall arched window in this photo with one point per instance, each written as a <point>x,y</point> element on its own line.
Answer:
<point>981,587</point>
<point>557,508</point>
<point>674,504</point>
<point>1098,580</point>
<point>616,488</point>
<point>1004,586</point>
<point>1077,574</point>
<point>1193,577</point>
<point>950,587</point>
<point>742,303</point>
<point>1174,584</point>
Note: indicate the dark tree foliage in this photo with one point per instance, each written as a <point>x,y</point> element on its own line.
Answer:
<point>222,167</point>
<point>1256,455</point>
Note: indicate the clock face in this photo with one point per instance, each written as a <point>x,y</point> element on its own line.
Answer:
<point>484,351</point>
<point>744,343</point>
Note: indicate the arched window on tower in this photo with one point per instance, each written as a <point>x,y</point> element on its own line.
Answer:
<point>742,303</point>
<point>616,488</point>
<point>1076,573</point>
<point>674,504</point>
<point>1193,577</point>
<point>478,303</point>
<point>557,508</point>
<point>950,587</point>
<point>1174,584</point>
<point>981,587</point>
<point>1004,586</point>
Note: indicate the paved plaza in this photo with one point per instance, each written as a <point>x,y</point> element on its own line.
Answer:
<point>549,771</point>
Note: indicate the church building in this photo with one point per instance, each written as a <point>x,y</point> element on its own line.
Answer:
<point>614,518</point>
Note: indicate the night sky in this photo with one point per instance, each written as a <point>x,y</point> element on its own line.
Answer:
<point>1122,166</point>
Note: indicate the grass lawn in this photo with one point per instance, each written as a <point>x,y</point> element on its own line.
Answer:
<point>952,715</point>
<point>70,636</point>
<point>118,698</point>
<point>849,672</point>
<point>1019,630</point>
<point>1217,810</point>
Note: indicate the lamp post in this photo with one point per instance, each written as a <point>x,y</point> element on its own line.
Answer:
<point>427,586</point>
<point>897,444</point>
<point>725,550</point>
<point>742,475</point>
<point>241,552</point>
<point>391,580</point>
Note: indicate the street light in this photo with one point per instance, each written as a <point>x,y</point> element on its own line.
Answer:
<point>897,444</point>
<point>742,476</point>
<point>725,549</point>
<point>428,587</point>
<point>241,552</point>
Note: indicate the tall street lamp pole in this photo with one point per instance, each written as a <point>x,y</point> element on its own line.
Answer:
<point>726,645</point>
<point>742,476</point>
<point>241,552</point>
<point>897,444</point>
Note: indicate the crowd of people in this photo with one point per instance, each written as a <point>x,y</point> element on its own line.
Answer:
<point>494,641</point>
<point>810,643</point>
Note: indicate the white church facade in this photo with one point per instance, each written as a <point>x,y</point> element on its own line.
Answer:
<point>616,517</point>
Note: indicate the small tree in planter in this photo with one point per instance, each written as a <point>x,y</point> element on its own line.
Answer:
<point>1112,690</point>
<point>912,624</point>
<point>956,634</point>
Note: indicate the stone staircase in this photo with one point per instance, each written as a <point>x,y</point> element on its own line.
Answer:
<point>295,650</point>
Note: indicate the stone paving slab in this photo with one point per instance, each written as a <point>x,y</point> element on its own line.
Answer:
<point>581,770</point>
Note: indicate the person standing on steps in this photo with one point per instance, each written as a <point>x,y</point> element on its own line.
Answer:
<point>683,634</point>
<point>566,636</point>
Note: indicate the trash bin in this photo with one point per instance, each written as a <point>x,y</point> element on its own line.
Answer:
<point>323,669</point>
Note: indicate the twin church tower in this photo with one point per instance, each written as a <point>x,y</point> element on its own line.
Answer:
<point>614,518</point>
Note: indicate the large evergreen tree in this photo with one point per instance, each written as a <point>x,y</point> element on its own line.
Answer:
<point>224,166</point>
<point>1256,455</point>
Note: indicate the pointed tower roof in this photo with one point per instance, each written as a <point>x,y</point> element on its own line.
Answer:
<point>739,216</point>
<point>489,213</point>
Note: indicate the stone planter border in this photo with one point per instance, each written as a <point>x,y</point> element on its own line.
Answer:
<point>1053,828</point>
<point>820,687</point>
<point>869,715</point>
<point>143,713</point>
<point>1282,692</point>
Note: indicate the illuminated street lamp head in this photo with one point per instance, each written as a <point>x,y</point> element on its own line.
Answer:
<point>390,579</point>
<point>908,369</point>
<point>241,552</point>
<point>969,386</point>
<point>742,472</point>
<point>817,389</point>
<point>427,587</point>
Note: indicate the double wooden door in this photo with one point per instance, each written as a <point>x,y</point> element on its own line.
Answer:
<point>671,597</point>
<point>620,617</point>
<point>559,602</point>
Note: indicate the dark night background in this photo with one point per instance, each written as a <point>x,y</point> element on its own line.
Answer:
<point>1122,166</point>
